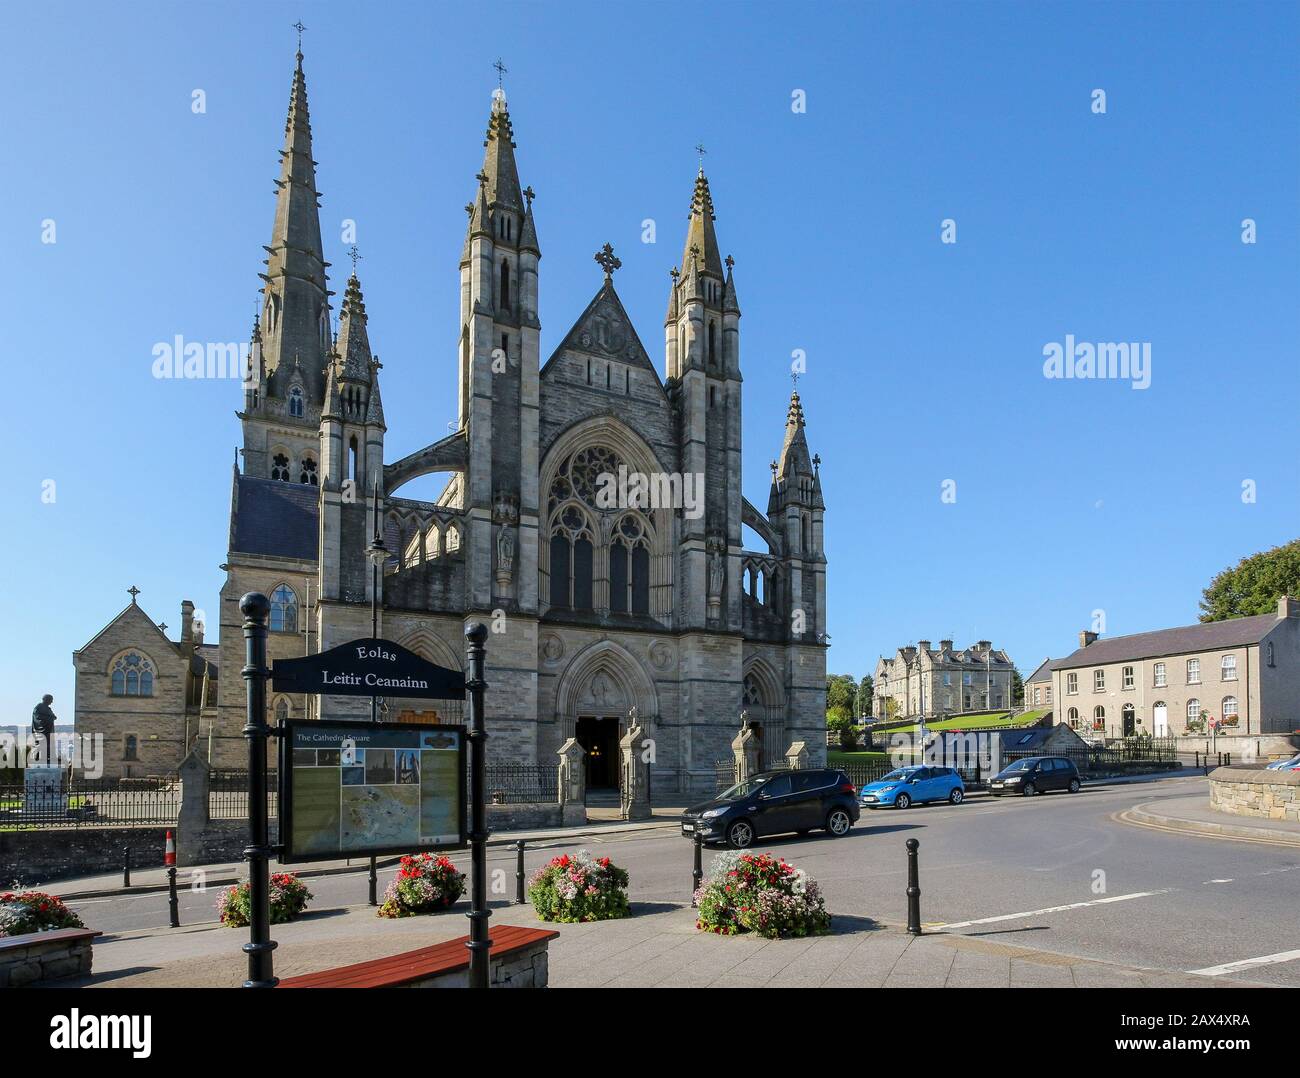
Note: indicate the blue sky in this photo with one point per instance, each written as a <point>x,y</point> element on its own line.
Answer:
<point>924,359</point>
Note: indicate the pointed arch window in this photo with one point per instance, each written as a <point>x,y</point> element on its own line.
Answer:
<point>132,675</point>
<point>629,567</point>
<point>307,474</point>
<point>284,610</point>
<point>295,401</point>
<point>572,560</point>
<point>505,285</point>
<point>352,458</point>
<point>713,350</point>
<point>280,467</point>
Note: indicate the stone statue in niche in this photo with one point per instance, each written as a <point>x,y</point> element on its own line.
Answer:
<point>715,572</point>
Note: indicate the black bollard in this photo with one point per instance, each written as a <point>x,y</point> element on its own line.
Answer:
<point>519,872</point>
<point>374,884</point>
<point>126,866</point>
<point>173,905</point>
<point>697,873</point>
<point>1227,759</point>
<point>913,889</point>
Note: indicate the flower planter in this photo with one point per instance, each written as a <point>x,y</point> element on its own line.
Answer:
<point>747,892</point>
<point>423,884</point>
<point>579,888</point>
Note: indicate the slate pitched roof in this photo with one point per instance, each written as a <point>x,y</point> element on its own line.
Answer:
<point>275,518</point>
<point>1204,636</point>
<point>1044,671</point>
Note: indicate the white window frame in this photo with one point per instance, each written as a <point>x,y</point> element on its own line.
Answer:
<point>1099,681</point>
<point>1228,668</point>
<point>1072,684</point>
<point>1193,668</point>
<point>1159,676</point>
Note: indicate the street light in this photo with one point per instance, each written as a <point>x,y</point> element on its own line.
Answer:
<point>377,554</point>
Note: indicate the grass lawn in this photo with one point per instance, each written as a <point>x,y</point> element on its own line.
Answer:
<point>981,721</point>
<point>836,757</point>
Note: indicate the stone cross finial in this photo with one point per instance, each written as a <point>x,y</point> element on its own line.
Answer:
<point>529,194</point>
<point>729,261</point>
<point>699,149</point>
<point>674,273</point>
<point>608,261</point>
<point>817,461</point>
<point>355,254</point>
<point>794,378</point>
<point>501,71</point>
<point>162,627</point>
<point>133,591</point>
<point>300,28</point>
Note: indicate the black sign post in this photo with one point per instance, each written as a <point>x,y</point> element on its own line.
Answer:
<point>255,607</point>
<point>479,943</point>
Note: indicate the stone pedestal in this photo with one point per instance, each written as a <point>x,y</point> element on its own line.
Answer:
<point>797,756</point>
<point>573,783</point>
<point>43,791</point>
<point>746,747</point>
<point>192,820</point>
<point>634,784</point>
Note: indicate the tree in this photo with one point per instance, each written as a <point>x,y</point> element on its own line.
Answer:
<point>840,720</point>
<point>1017,688</point>
<point>1254,584</point>
<point>841,691</point>
<point>866,696</point>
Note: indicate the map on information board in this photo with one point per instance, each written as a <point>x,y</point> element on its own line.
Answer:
<point>357,788</point>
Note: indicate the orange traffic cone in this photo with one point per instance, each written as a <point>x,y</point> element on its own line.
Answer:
<point>169,858</point>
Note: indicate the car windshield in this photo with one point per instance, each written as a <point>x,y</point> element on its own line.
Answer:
<point>901,774</point>
<point>1019,765</point>
<point>742,789</point>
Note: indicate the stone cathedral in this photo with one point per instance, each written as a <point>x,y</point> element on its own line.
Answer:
<point>595,608</point>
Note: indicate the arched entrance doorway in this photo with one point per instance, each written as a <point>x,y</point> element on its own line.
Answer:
<point>1130,720</point>
<point>596,692</point>
<point>1160,719</point>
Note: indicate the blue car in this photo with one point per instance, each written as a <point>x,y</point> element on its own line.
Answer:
<point>911,785</point>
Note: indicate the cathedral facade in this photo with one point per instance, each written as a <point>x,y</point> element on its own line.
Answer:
<point>592,514</point>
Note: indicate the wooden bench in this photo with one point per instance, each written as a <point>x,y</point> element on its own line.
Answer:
<point>517,959</point>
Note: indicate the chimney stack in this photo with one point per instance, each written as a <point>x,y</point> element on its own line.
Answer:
<point>1087,637</point>
<point>187,621</point>
<point>945,645</point>
<point>1288,607</point>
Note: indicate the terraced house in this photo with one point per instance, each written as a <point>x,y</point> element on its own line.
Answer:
<point>1244,673</point>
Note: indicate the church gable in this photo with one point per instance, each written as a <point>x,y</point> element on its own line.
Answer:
<point>603,339</point>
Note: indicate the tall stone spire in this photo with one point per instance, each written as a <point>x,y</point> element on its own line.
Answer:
<point>795,458</point>
<point>699,233</point>
<point>499,158</point>
<point>295,310</point>
<point>353,344</point>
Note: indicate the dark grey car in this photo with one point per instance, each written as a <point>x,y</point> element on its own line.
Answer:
<point>1036,775</point>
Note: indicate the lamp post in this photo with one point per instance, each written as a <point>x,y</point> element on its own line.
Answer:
<point>377,554</point>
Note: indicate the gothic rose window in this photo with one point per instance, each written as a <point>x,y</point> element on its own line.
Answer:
<point>284,610</point>
<point>132,675</point>
<point>574,504</point>
<point>280,467</point>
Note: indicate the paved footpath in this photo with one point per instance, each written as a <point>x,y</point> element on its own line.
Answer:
<point>659,946</point>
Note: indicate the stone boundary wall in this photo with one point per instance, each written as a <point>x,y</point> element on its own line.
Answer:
<point>48,956</point>
<point>1269,795</point>
<point>35,858</point>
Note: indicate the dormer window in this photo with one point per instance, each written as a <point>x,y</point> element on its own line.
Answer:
<point>295,401</point>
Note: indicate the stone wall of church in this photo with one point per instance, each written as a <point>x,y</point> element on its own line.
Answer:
<point>157,721</point>
<point>229,749</point>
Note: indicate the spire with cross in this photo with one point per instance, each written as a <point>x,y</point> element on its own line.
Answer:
<point>354,253</point>
<point>608,261</point>
<point>700,151</point>
<point>300,28</point>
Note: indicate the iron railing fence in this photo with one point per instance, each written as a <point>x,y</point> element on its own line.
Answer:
<point>1093,760</point>
<point>228,794</point>
<point>90,803</point>
<point>520,784</point>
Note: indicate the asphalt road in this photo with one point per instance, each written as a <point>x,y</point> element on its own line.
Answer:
<point>1057,872</point>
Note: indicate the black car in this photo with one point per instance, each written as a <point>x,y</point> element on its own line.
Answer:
<point>773,803</point>
<point>1036,775</point>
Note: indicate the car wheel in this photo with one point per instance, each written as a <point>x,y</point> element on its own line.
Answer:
<point>838,822</point>
<point>955,798</point>
<point>1029,789</point>
<point>740,834</point>
<point>902,801</point>
<point>1074,786</point>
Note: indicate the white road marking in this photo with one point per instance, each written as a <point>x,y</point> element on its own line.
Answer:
<point>1246,963</point>
<point>1219,881</point>
<point>1054,909</point>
